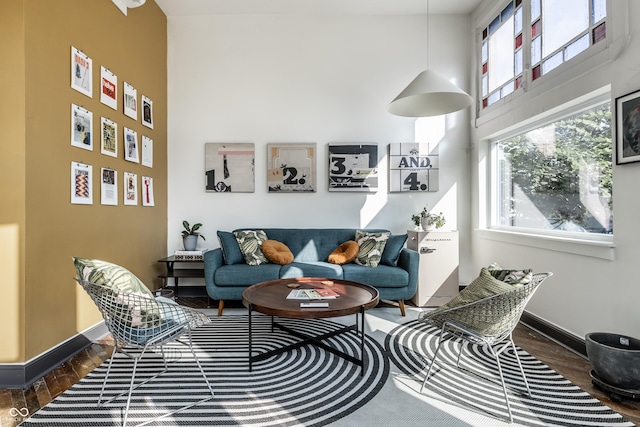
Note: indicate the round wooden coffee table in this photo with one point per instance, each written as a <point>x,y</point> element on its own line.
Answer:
<point>270,298</point>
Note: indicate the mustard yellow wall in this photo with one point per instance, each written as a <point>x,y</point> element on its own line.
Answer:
<point>12,185</point>
<point>51,229</point>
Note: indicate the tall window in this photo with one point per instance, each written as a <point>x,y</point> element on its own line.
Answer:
<point>556,177</point>
<point>543,33</point>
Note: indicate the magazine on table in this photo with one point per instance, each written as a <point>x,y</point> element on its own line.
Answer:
<point>307,294</point>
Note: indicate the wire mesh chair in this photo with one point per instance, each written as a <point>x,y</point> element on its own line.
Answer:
<point>141,323</point>
<point>487,322</point>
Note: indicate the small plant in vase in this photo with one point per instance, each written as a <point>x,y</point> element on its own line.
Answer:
<point>190,236</point>
<point>425,220</point>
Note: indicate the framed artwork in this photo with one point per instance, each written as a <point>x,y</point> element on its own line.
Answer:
<point>229,167</point>
<point>130,188</point>
<point>291,168</point>
<point>108,88</point>
<point>147,191</point>
<point>147,151</point>
<point>81,72</point>
<point>81,127</point>
<point>628,128</point>
<point>353,168</point>
<point>413,167</point>
<point>130,101</point>
<point>109,137</point>
<point>109,187</point>
<point>147,112</point>
<point>131,145</point>
<point>81,184</point>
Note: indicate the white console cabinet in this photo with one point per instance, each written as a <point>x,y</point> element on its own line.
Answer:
<point>438,271</point>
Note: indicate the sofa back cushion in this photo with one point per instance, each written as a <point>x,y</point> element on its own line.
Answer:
<point>311,244</point>
<point>308,244</point>
<point>230,249</point>
<point>392,249</point>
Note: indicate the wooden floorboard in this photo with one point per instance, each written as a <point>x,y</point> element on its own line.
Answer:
<point>567,363</point>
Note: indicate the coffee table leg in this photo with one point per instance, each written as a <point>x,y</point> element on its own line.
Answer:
<point>362,354</point>
<point>250,352</point>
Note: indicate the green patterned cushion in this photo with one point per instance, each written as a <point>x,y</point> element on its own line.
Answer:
<point>250,242</point>
<point>485,285</point>
<point>371,247</point>
<point>512,277</point>
<point>114,276</point>
<point>123,283</point>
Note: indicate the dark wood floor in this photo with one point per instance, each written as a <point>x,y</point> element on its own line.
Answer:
<point>570,365</point>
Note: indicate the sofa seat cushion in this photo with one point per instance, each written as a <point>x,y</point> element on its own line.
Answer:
<point>383,276</point>
<point>245,275</point>
<point>311,269</point>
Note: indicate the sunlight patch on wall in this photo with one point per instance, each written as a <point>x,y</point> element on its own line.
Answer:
<point>10,302</point>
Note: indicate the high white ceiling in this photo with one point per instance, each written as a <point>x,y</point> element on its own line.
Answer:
<point>348,7</point>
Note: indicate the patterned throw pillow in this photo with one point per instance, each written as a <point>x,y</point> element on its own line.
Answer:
<point>512,277</point>
<point>484,286</point>
<point>126,287</point>
<point>114,276</point>
<point>371,246</point>
<point>250,242</point>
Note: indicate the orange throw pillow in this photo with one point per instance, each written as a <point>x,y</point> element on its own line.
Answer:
<point>345,253</point>
<point>277,252</point>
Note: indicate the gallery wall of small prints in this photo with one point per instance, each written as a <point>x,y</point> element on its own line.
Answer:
<point>113,140</point>
<point>291,167</point>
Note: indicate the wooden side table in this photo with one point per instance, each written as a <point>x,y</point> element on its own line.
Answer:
<point>177,273</point>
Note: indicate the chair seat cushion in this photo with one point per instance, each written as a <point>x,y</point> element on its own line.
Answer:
<point>345,253</point>
<point>277,252</point>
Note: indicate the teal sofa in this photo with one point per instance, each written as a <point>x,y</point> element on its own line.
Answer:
<point>227,275</point>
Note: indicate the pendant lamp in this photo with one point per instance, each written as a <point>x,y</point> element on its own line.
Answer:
<point>429,94</point>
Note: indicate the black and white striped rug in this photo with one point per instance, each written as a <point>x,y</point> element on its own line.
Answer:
<point>303,387</point>
<point>555,401</point>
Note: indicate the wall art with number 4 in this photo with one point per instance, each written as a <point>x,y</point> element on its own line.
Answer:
<point>413,167</point>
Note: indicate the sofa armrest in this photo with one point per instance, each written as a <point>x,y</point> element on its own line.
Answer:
<point>409,260</point>
<point>212,261</point>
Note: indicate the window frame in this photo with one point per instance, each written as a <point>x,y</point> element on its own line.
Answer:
<point>528,83</point>
<point>492,230</point>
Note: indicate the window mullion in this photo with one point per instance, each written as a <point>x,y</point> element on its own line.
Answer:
<point>526,44</point>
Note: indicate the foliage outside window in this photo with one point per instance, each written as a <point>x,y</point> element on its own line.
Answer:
<point>557,177</point>
<point>543,33</point>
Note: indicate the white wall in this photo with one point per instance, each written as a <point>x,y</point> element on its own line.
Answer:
<point>308,78</point>
<point>587,292</point>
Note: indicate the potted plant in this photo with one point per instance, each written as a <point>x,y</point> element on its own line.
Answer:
<point>425,220</point>
<point>190,236</point>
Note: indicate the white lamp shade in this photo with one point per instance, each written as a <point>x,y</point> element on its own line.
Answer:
<point>133,3</point>
<point>429,94</point>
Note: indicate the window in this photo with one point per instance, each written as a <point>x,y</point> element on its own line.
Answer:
<point>555,32</point>
<point>556,177</point>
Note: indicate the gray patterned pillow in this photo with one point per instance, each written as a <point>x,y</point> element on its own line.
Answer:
<point>114,276</point>
<point>126,286</point>
<point>371,247</point>
<point>512,277</point>
<point>250,242</point>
